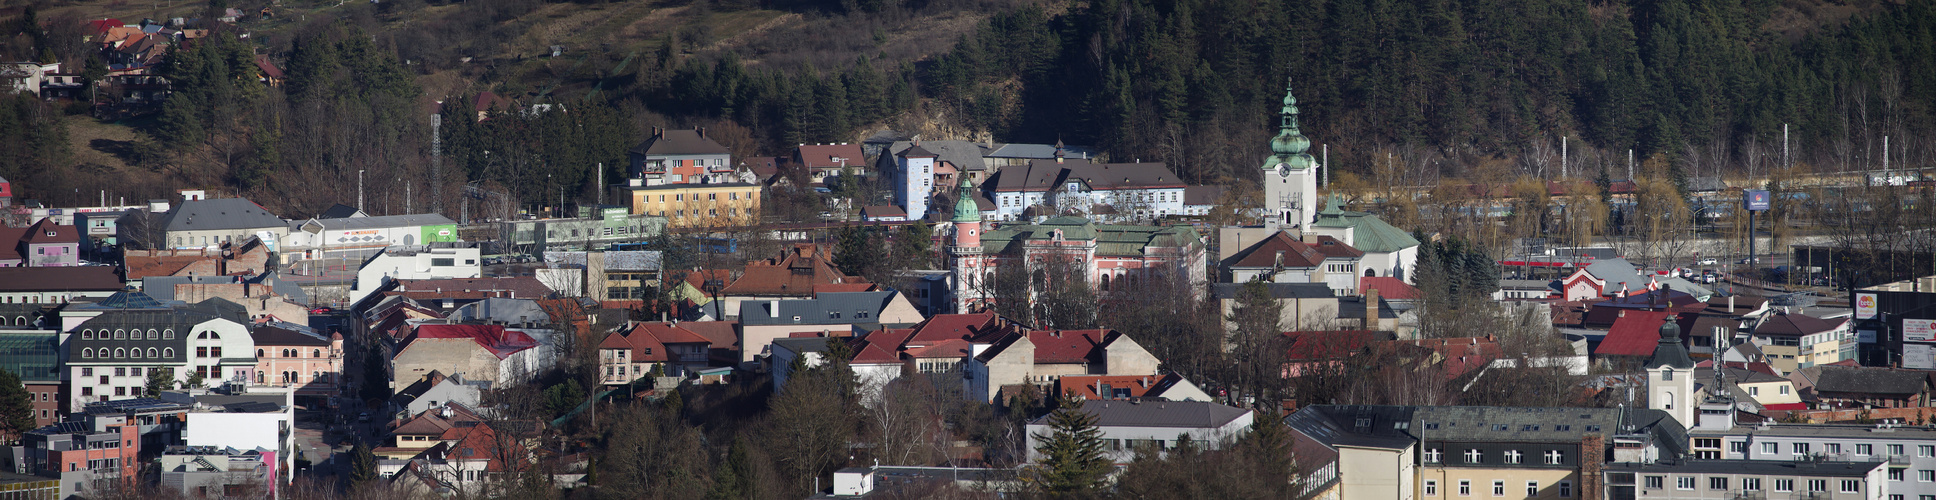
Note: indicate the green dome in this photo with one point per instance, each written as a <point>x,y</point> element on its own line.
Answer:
<point>1290,143</point>
<point>965,208</point>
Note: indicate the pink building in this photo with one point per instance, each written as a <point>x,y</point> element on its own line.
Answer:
<point>44,244</point>
<point>292,355</point>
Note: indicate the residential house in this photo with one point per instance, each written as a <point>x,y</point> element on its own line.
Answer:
<point>485,353</point>
<point>88,456</point>
<point>1905,455</point>
<point>200,222</point>
<point>267,72</point>
<point>426,429</point>
<point>109,354</point>
<point>244,421</point>
<point>1842,387</point>
<point>44,244</point>
<point>1525,290</point>
<point>963,157</point>
<point>435,390</point>
<point>999,156</point>
<point>211,472</point>
<point>1346,452</point>
<point>634,350</point>
<point>1171,387</point>
<point>1754,381</point>
<point>434,261</point>
<point>1281,259</point>
<point>793,274</point>
<point>1605,278</point>
<point>679,157</point>
<point>1738,479</point>
<point>836,313</point>
<point>1039,357</point>
<point>1304,306</point>
<point>730,202</point>
<point>1128,426</point>
<point>1792,341</point>
<point>450,294</point>
<point>56,285</point>
<point>613,275</point>
<point>1526,452</point>
<point>295,356</point>
<point>828,160</point>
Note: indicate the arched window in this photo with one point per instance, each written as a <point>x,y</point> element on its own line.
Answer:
<point>120,334</point>
<point>168,352</point>
<point>258,353</point>
<point>151,352</point>
<point>19,321</point>
<point>168,334</point>
<point>87,334</point>
<point>315,353</point>
<point>259,376</point>
<point>1371,273</point>
<point>1668,401</point>
<point>153,334</point>
<point>120,353</point>
<point>87,353</point>
<point>135,353</point>
<point>1105,282</point>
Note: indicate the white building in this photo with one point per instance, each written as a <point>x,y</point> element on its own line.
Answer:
<point>1290,175</point>
<point>1107,191</point>
<point>1127,426</point>
<point>913,178</point>
<point>433,261</point>
<point>244,422</point>
<point>109,355</point>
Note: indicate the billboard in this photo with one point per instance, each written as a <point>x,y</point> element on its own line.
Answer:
<point>1918,356</point>
<point>1918,330</point>
<point>1757,200</point>
<point>1865,305</point>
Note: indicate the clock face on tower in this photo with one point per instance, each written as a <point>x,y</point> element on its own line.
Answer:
<point>1283,170</point>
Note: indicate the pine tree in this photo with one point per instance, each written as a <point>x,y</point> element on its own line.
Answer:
<point>195,380</point>
<point>159,379</point>
<point>1072,463</point>
<point>16,404</point>
<point>362,464</point>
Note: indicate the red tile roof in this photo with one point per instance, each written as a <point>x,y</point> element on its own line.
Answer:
<point>1331,247</point>
<point>1069,346</point>
<point>647,340</point>
<point>1264,253</point>
<point>1326,345</point>
<point>952,349</point>
<point>1635,333</point>
<point>875,354</point>
<point>943,327</point>
<point>1461,355</point>
<point>793,274</point>
<point>1085,386</point>
<point>830,155</point>
<point>494,338</point>
<point>718,333</point>
<point>1388,288</point>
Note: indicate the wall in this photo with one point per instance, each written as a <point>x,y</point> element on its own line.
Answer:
<point>451,356</point>
<point>1204,438</point>
<point>1548,481</point>
<point>1125,357</point>
<point>244,431</point>
<point>1375,473</point>
<point>201,239</point>
<point>404,263</point>
<point>699,205</point>
<point>1014,365</point>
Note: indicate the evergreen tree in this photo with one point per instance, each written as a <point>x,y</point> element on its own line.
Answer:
<point>362,464</point>
<point>159,379</point>
<point>16,405</point>
<point>196,379</point>
<point>1072,463</point>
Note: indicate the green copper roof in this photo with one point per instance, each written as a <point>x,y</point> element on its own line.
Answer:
<point>1111,240</point>
<point>965,209</point>
<point>1290,145</point>
<point>1371,234</point>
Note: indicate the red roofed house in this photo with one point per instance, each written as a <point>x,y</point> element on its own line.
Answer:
<point>1634,335</point>
<point>1040,357</point>
<point>269,73</point>
<point>1459,356</point>
<point>1282,259</point>
<point>425,430</point>
<point>489,353</point>
<point>827,160</point>
<point>44,244</point>
<point>633,350</point>
<point>793,274</point>
<point>1170,387</point>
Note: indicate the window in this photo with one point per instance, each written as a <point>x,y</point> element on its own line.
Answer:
<point>168,352</point>
<point>1751,484</point>
<point>1798,449</point>
<point>1754,391</point>
<point>87,372</point>
<point>1864,449</point>
<point>1818,485</point>
<point>1532,488</point>
<point>1897,474</point>
<point>168,334</point>
<point>1555,457</point>
<point>1472,456</point>
<point>1717,483</point>
<point>87,334</point>
<point>1831,447</point>
<point>1566,489</point>
<point>87,353</point>
<point>1431,488</point>
<point>1433,456</point>
<point>1498,488</point>
<point>1667,374</point>
<point>1784,390</point>
<point>1684,483</point>
<point>1895,449</point>
<point>1512,456</point>
<point>1769,448</point>
<point>1737,447</point>
<point>1465,487</point>
<point>1926,450</point>
<point>1926,475</point>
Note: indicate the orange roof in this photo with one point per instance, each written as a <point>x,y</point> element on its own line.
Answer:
<point>647,340</point>
<point>942,327</point>
<point>1086,386</point>
<point>1388,288</point>
<point>1068,346</point>
<point>1264,254</point>
<point>794,273</point>
<point>874,354</point>
<point>1462,354</point>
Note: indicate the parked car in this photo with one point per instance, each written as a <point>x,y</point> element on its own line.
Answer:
<point>1707,262</point>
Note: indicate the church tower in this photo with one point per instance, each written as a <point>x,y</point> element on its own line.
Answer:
<point>1670,376</point>
<point>1290,174</point>
<point>965,249</point>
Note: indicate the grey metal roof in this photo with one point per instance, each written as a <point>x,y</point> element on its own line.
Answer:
<point>338,211</point>
<point>830,308</point>
<point>803,344</point>
<point>1513,424</point>
<point>1615,271</point>
<point>382,222</point>
<point>220,214</point>
<point>963,154</point>
<point>1751,467</point>
<point>1337,425</point>
<point>1870,380</point>
<point>1038,151</point>
<point>635,260</point>
<point>1182,414</point>
<point>1279,291</point>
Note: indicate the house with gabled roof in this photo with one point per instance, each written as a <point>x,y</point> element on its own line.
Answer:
<point>828,160</point>
<point>435,390</point>
<point>1792,341</point>
<point>1169,387</point>
<point>486,353</point>
<point>43,244</point>
<point>1388,250</point>
<point>1283,259</point>
<point>832,313</point>
<point>1130,191</point>
<point>679,157</point>
<point>201,222</point>
<point>792,274</point>
<point>1039,357</point>
<point>1110,257</point>
<point>1127,427</point>
<point>426,429</point>
<point>633,350</point>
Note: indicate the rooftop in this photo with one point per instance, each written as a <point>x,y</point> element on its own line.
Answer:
<point>1751,467</point>
<point>1181,414</point>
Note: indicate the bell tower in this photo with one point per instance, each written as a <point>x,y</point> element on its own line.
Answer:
<point>964,250</point>
<point>1670,376</point>
<point>1290,174</point>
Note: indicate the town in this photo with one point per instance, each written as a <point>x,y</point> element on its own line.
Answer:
<point>928,314</point>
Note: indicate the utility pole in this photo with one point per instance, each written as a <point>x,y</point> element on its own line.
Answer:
<point>1562,157</point>
<point>601,183</point>
<point>1784,145</point>
<point>1327,164</point>
<point>1630,175</point>
<point>359,189</point>
<point>406,199</point>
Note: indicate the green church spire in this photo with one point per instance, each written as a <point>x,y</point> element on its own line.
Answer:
<point>1290,144</point>
<point>965,208</point>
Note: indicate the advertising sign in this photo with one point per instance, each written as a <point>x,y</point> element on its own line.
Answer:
<point>1918,356</point>
<point>1918,330</point>
<point>1865,336</point>
<point>1865,305</point>
<point>1757,200</point>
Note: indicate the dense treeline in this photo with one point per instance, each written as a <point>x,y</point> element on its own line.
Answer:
<point>1195,82</point>
<point>782,109</point>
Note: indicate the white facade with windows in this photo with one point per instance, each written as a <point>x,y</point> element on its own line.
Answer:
<point>437,261</point>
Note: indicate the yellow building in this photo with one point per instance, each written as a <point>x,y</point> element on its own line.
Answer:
<point>1791,342</point>
<point>699,205</point>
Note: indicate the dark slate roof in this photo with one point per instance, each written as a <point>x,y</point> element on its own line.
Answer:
<point>219,214</point>
<point>679,142</point>
<point>1870,380</point>
<point>1337,425</point>
<point>338,211</point>
<point>1785,323</point>
<point>38,279</point>
<point>1512,424</point>
<point>1751,467</point>
<point>1184,414</point>
<point>1668,432</point>
<point>962,154</point>
<point>1354,308</point>
<point>820,310</point>
<point>1048,175</point>
<point>1278,290</point>
<point>286,334</point>
<point>804,344</point>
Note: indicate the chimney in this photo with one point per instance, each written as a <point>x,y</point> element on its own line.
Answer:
<point>1371,309</point>
<point>774,311</point>
<point>1311,239</point>
<point>1730,304</point>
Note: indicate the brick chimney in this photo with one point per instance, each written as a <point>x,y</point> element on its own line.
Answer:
<point>1593,449</point>
<point>1371,309</point>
